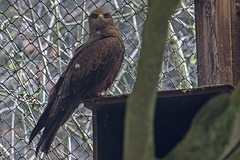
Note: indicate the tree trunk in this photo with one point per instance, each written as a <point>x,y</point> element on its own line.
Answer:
<point>138,133</point>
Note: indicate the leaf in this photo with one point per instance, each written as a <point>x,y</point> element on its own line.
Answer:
<point>26,83</point>
<point>11,66</point>
<point>12,35</point>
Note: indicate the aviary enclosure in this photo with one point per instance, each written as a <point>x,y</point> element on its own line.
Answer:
<point>38,38</point>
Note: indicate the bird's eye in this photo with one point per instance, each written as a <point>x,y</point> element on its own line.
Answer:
<point>107,15</point>
<point>93,16</point>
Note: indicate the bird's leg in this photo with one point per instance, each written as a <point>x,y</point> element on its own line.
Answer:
<point>102,94</point>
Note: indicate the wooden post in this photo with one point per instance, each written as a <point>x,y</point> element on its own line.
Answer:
<point>218,42</point>
<point>174,112</point>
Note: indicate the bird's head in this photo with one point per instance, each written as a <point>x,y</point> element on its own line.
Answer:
<point>100,19</point>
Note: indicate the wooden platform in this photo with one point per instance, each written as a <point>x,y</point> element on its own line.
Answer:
<point>174,113</point>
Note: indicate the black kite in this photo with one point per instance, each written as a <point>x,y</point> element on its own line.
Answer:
<point>92,70</point>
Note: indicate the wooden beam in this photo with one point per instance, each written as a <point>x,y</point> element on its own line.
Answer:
<point>174,112</point>
<point>218,39</point>
<point>235,37</point>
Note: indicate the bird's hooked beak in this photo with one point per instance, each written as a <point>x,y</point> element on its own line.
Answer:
<point>101,17</point>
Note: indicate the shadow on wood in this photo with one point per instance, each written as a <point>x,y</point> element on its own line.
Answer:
<point>174,113</point>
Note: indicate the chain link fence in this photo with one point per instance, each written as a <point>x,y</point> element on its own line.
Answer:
<point>38,38</point>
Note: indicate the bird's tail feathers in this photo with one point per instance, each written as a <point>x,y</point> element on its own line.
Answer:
<point>47,137</point>
<point>40,124</point>
<point>51,120</point>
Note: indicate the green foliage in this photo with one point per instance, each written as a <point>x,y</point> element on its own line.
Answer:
<point>11,66</point>
<point>12,35</point>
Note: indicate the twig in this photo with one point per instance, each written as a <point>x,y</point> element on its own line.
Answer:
<point>83,135</point>
<point>43,53</point>
<point>56,9</point>
<point>179,60</point>
<point>12,132</point>
<point>5,151</point>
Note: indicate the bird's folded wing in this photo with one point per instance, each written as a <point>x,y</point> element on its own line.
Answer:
<point>92,62</point>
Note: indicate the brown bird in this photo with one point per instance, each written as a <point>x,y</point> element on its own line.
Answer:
<point>92,70</point>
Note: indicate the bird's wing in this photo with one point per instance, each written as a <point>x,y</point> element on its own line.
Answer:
<point>91,63</point>
<point>89,66</point>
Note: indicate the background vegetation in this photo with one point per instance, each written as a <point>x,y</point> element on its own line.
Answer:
<point>38,38</point>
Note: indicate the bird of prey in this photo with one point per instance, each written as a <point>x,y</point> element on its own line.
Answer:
<point>92,70</point>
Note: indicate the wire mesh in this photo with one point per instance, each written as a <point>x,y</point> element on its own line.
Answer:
<point>38,38</point>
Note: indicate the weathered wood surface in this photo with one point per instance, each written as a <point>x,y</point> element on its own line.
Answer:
<point>218,39</point>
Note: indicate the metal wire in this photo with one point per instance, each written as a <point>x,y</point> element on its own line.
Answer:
<point>38,38</point>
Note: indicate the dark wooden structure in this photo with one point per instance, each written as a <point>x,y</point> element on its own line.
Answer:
<point>174,113</point>
<point>218,41</point>
<point>218,50</point>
